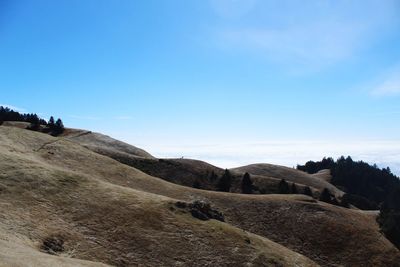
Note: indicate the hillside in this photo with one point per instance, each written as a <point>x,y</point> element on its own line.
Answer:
<point>104,144</point>
<point>105,211</point>
<point>289,174</point>
<point>46,193</point>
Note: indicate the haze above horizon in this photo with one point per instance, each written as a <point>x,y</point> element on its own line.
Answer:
<point>231,82</point>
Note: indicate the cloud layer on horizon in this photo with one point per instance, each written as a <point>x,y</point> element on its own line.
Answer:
<point>288,153</point>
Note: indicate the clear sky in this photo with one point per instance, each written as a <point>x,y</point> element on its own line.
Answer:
<point>228,81</point>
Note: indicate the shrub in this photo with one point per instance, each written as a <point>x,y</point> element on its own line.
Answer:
<point>283,187</point>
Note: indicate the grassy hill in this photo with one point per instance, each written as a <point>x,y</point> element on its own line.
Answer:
<point>289,174</point>
<point>56,188</point>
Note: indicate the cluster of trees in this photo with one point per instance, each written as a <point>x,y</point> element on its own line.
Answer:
<point>7,114</point>
<point>357,178</point>
<point>224,183</point>
<point>389,217</point>
<point>366,187</point>
<point>53,127</point>
<point>315,166</point>
<point>285,188</point>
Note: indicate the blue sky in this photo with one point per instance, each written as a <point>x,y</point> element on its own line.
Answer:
<point>228,81</point>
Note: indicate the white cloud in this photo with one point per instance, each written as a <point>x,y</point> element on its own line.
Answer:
<point>390,86</point>
<point>14,108</point>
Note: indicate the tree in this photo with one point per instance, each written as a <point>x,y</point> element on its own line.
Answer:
<point>224,184</point>
<point>51,122</point>
<point>389,217</point>
<point>247,184</point>
<point>283,187</point>
<point>326,196</point>
<point>35,123</point>
<point>196,184</point>
<point>213,177</point>
<point>58,128</point>
<point>294,190</point>
<point>307,191</point>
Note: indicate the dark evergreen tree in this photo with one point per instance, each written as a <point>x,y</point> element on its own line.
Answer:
<point>389,217</point>
<point>58,128</point>
<point>247,184</point>
<point>283,187</point>
<point>307,191</point>
<point>51,122</point>
<point>213,177</point>
<point>35,123</point>
<point>196,184</point>
<point>225,182</point>
<point>326,196</point>
<point>293,189</point>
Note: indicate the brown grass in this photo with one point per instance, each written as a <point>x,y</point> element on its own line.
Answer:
<point>289,174</point>
<point>50,188</point>
<point>113,213</point>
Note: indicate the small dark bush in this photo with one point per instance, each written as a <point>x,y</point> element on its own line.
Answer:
<point>53,244</point>
<point>203,211</point>
<point>283,187</point>
<point>307,191</point>
<point>181,205</point>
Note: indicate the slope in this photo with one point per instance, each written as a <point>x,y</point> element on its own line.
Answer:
<point>104,144</point>
<point>46,194</point>
<point>103,189</point>
<point>289,174</point>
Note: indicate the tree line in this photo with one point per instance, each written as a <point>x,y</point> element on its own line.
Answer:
<point>366,187</point>
<point>357,178</point>
<point>52,126</point>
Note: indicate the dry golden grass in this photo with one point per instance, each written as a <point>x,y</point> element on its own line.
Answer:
<point>112,213</point>
<point>103,143</point>
<point>323,175</point>
<point>54,187</point>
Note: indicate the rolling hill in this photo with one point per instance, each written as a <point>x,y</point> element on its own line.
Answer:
<point>289,174</point>
<point>67,201</point>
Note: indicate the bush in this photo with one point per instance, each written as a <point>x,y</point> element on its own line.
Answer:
<point>283,187</point>
<point>196,184</point>
<point>294,190</point>
<point>326,196</point>
<point>307,191</point>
